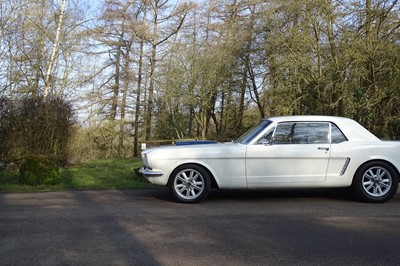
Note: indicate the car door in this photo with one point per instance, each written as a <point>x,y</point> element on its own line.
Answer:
<point>298,153</point>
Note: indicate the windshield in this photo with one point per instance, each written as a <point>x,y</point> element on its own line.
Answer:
<point>253,132</point>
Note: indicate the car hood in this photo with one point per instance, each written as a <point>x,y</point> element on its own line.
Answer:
<point>195,142</point>
<point>211,150</point>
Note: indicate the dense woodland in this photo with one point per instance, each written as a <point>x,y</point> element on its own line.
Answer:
<point>142,70</point>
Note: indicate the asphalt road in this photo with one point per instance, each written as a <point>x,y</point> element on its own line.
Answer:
<point>145,227</point>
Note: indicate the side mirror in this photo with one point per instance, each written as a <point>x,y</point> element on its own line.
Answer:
<point>265,141</point>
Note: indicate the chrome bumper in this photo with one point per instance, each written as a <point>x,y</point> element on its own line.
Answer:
<point>146,172</point>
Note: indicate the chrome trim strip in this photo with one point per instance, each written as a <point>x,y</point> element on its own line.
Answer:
<point>346,164</point>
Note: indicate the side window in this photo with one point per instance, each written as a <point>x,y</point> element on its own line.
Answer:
<point>283,133</point>
<point>320,133</point>
<point>336,135</point>
<point>302,133</point>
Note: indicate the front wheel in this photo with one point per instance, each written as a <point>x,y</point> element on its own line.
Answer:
<point>189,183</point>
<point>375,182</point>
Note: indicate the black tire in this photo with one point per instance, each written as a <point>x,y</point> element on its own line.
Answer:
<point>375,182</point>
<point>189,183</point>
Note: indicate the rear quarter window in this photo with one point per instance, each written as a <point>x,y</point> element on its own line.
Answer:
<point>337,135</point>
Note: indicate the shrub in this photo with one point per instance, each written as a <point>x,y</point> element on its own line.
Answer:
<point>7,131</point>
<point>40,169</point>
<point>46,126</point>
<point>35,126</point>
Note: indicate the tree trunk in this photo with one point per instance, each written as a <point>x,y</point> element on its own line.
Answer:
<point>123,102</point>
<point>54,50</point>
<point>152,75</point>
<point>114,104</point>
<point>138,92</point>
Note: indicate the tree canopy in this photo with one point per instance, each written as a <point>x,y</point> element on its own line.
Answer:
<point>140,70</point>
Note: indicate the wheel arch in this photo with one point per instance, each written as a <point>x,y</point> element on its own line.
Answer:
<point>372,191</point>
<point>392,166</point>
<point>214,183</point>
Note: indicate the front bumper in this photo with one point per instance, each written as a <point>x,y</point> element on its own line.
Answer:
<point>148,173</point>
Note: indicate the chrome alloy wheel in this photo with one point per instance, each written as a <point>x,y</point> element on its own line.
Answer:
<point>189,184</point>
<point>376,181</point>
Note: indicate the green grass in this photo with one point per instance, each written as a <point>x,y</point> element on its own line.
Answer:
<point>100,174</point>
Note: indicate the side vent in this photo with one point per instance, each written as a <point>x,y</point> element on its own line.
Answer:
<point>345,166</point>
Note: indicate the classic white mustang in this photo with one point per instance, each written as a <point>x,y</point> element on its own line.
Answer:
<point>281,152</point>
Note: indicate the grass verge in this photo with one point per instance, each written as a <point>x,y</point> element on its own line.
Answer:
<point>99,174</point>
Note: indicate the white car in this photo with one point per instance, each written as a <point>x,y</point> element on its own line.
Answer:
<point>281,152</point>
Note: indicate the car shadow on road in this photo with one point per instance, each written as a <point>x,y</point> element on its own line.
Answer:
<point>335,194</point>
<point>215,195</point>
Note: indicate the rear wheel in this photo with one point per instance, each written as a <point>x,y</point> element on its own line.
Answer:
<point>189,183</point>
<point>375,182</point>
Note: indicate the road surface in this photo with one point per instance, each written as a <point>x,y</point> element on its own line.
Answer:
<point>145,227</point>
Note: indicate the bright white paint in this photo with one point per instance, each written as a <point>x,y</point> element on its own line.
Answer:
<point>235,165</point>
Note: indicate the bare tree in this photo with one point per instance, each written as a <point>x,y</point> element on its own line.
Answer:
<point>54,50</point>
<point>158,37</point>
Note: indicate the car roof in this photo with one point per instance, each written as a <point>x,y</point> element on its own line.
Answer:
<point>308,118</point>
<point>350,128</point>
